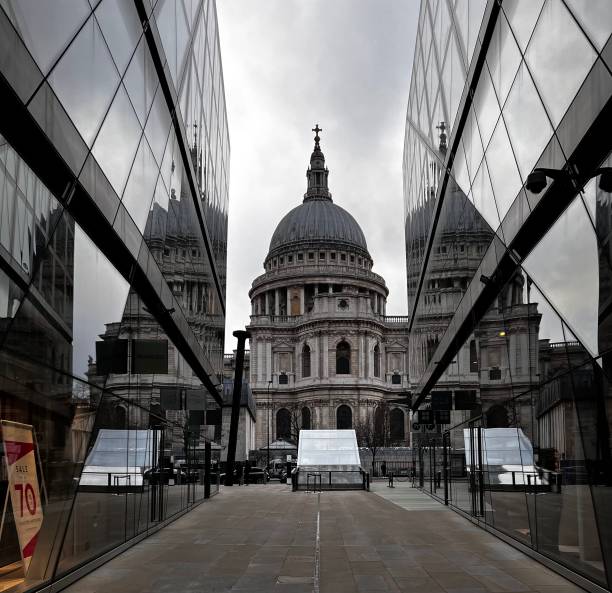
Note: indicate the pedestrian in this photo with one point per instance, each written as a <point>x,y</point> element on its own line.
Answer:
<point>247,471</point>
<point>383,469</point>
<point>239,473</point>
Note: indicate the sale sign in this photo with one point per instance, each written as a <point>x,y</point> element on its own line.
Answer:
<point>23,485</point>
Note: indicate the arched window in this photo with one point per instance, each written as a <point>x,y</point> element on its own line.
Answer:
<point>343,358</point>
<point>120,417</point>
<point>497,417</point>
<point>396,422</point>
<point>306,361</point>
<point>344,418</point>
<point>377,361</point>
<point>306,418</point>
<point>283,424</point>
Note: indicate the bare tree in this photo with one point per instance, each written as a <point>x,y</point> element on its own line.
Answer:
<point>373,432</point>
<point>293,424</point>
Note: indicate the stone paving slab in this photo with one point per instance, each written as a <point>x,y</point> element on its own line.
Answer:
<point>262,539</point>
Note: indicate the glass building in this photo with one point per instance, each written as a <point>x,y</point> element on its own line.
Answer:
<point>509,272</point>
<point>114,156</point>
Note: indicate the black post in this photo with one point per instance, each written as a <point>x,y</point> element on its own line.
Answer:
<point>445,446</point>
<point>268,420</point>
<point>480,474</point>
<point>242,336</point>
<point>207,458</point>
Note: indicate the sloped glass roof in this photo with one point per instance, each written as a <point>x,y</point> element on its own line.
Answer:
<point>328,447</point>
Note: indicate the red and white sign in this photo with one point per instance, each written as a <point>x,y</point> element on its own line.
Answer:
<point>23,485</point>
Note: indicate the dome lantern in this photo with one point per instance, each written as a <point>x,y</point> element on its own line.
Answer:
<point>318,223</point>
<point>317,173</point>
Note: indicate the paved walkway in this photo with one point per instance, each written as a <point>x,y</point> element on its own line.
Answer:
<point>264,539</point>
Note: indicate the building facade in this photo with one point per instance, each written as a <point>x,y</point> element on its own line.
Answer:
<point>324,354</point>
<point>114,158</point>
<point>507,213</point>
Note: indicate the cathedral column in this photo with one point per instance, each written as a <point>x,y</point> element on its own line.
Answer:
<point>325,356</point>
<point>268,357</point>
<point>362,355</point>
<point>267,303</point>
<point>302,300</point>
<point>276,301</point>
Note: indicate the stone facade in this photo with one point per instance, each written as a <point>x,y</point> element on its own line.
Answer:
<point>323,352</point>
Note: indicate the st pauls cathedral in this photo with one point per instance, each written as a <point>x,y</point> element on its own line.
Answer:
<point>324,354</point>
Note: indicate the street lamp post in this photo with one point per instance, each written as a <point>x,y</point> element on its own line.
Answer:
<point>268,421</point>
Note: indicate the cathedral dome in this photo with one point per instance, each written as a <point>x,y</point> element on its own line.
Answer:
<point>318,220</point>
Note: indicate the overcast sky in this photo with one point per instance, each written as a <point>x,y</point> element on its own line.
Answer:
<point>289,64</point>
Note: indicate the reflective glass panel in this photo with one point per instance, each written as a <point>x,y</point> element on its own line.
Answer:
<point>595,16</point>
<point>503,58</point>
<point>140,187</point>
<point>85,80</point>
<point>572,283</point>
<point>46,27</point>
<point>522,17</point>
<point>558,68</point>
<point>528,125</point>
<point>116,157</point>
<point>505,177</point>
<point>121,28</point>
<point>141,81</point>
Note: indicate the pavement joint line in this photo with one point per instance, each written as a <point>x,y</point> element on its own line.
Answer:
<point>317,563</point>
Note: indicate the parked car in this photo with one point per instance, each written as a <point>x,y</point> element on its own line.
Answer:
<point>154,475</point>
<point>258,475</point>
<point>276,468</point>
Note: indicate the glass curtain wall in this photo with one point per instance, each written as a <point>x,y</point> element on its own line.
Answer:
<point>508,283</point>
<point>110,340</point>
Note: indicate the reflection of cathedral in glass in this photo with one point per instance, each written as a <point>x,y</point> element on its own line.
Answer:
<point>509,278</point>
<point>114,156</point>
